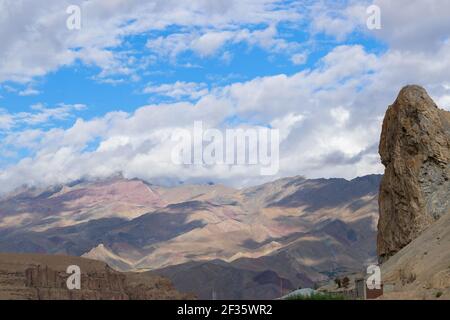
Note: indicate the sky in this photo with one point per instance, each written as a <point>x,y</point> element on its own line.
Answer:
<point>105,98</point>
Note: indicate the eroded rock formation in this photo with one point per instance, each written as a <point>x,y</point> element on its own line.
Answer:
<point>43,277</point>
<point>415,189</point>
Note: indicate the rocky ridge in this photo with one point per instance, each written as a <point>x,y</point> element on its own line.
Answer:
<point>415,189</point>
<point>43,277</point>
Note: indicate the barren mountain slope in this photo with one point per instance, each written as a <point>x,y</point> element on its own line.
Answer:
<point>303,230</point>
<point>60,206</point>
<point>421,270</point>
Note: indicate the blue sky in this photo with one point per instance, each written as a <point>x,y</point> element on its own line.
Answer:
<point>311,68</point>
<point>78,82</point>
<point>232,62</point>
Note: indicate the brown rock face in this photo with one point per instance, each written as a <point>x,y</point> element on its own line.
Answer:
<point>43,277</point>
<point>415,189</point>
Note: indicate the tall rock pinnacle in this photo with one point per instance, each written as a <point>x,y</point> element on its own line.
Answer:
<point>415,189</point>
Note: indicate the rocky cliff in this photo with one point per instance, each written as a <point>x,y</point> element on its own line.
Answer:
<point>415,189</point>
<point>43,277</point>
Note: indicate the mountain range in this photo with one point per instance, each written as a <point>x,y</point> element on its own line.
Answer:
<point>212,240</point>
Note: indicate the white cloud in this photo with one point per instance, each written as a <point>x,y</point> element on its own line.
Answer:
<point>10,89</point>
<point>301,105</point>
<point>35,39</point>
<point>341,115</point>
<point>6,120</point>
<point>208,42</point>
<point>39,114</point>
<point>414,25</point>
<point>338,19</point>
<point>444,102</point>
<point>329,115</point>
<point>179,90</point>
<point>330,120</point>
<point>299,58</point>
<point>29,91</point>
<point>406,25</point>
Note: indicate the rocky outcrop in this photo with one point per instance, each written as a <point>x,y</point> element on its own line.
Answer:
<point>415,189</point>
<point>44,277</point>
<point>49,284</point>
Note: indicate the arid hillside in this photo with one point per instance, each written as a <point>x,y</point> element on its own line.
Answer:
<point>421,270</point>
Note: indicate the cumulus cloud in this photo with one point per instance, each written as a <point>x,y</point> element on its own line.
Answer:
<point>178,90</point>
<point>329,114</point>
<point>39,114</point>
<point>206,43</point>
<point>35,39</point>
<point>307,107</point>
<point>6,120</point>
<point>414,25</point>
<point>29,91</point>
<point>338,19</point>
<point>299,58</point>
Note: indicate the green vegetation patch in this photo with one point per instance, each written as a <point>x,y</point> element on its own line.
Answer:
<point>318,296</point>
